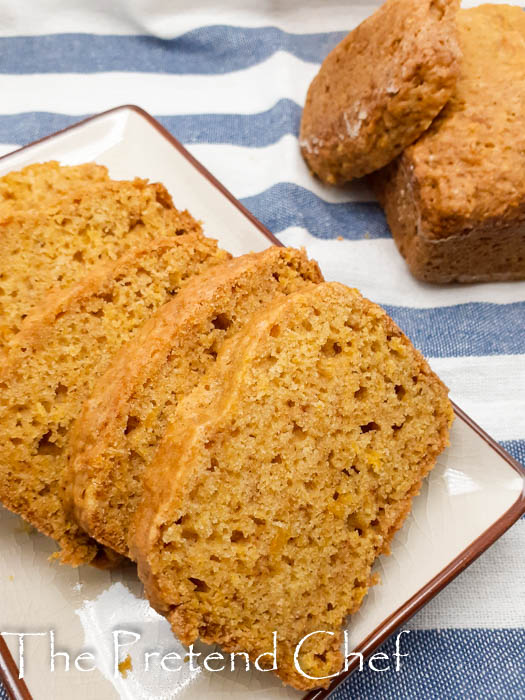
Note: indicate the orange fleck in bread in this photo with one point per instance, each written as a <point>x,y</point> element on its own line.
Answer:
<point>380,88</point>
<point>455,199</point>
<point>284,474</point>
<point>39,184</point>
<point>56,244</point>
<point>53,361</point>
<point>125,418</point>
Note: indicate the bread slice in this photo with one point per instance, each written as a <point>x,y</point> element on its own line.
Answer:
<point>39,184</point>
<point>52,364</point>
<point>380,88</point>
<point>123,421</point>
<point>284,475</point>
<point>56,244</point>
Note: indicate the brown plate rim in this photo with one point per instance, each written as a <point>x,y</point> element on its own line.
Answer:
<point>17,688</point>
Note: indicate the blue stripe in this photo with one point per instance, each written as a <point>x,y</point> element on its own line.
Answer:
<point>285,205</point>
<point>27,127</point>
<point>516,448</point>
<point>251,130</point>
<point>472,664</point>
<point>465,329</point>
<point>207,50</point>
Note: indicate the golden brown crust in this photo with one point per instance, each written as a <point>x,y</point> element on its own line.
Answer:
<point>455,200</point>
<point>57,243</point>
<point>285,473</point>
<point>131,403</point>
<point>380,88</point>
<point>52,364</point>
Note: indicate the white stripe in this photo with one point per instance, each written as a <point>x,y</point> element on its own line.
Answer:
<point>252,90</point>
<point>248,171</point>
<point>297,16</point>
<point>168,18</point>
<point>378,270</point>
<point>491,390</point>
<point>490,594</point>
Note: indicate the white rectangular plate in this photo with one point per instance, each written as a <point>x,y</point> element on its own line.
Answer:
<point>472,496</point>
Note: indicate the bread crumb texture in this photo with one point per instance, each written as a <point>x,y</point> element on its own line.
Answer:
<point>51,365</point>
<point>380,88</point>
<point>131,404</point>
<point>284,474</point>
<point>125,666</point>
<point>55,244</point>
<point>40,184</point>
<point>455,200</point>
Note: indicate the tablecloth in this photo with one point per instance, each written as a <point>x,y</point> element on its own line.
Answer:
<point>229,80</point>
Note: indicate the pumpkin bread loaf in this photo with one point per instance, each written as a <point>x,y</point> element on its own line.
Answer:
<point>284,474</point>
<point>380,88</point>
<point>55,244</point>
<point>124,419</point>
<point>37,185</point>
<point>52,363</point>
<point>455,200</point>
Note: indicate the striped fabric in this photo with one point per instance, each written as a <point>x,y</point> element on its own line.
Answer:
<point>229,80</point>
